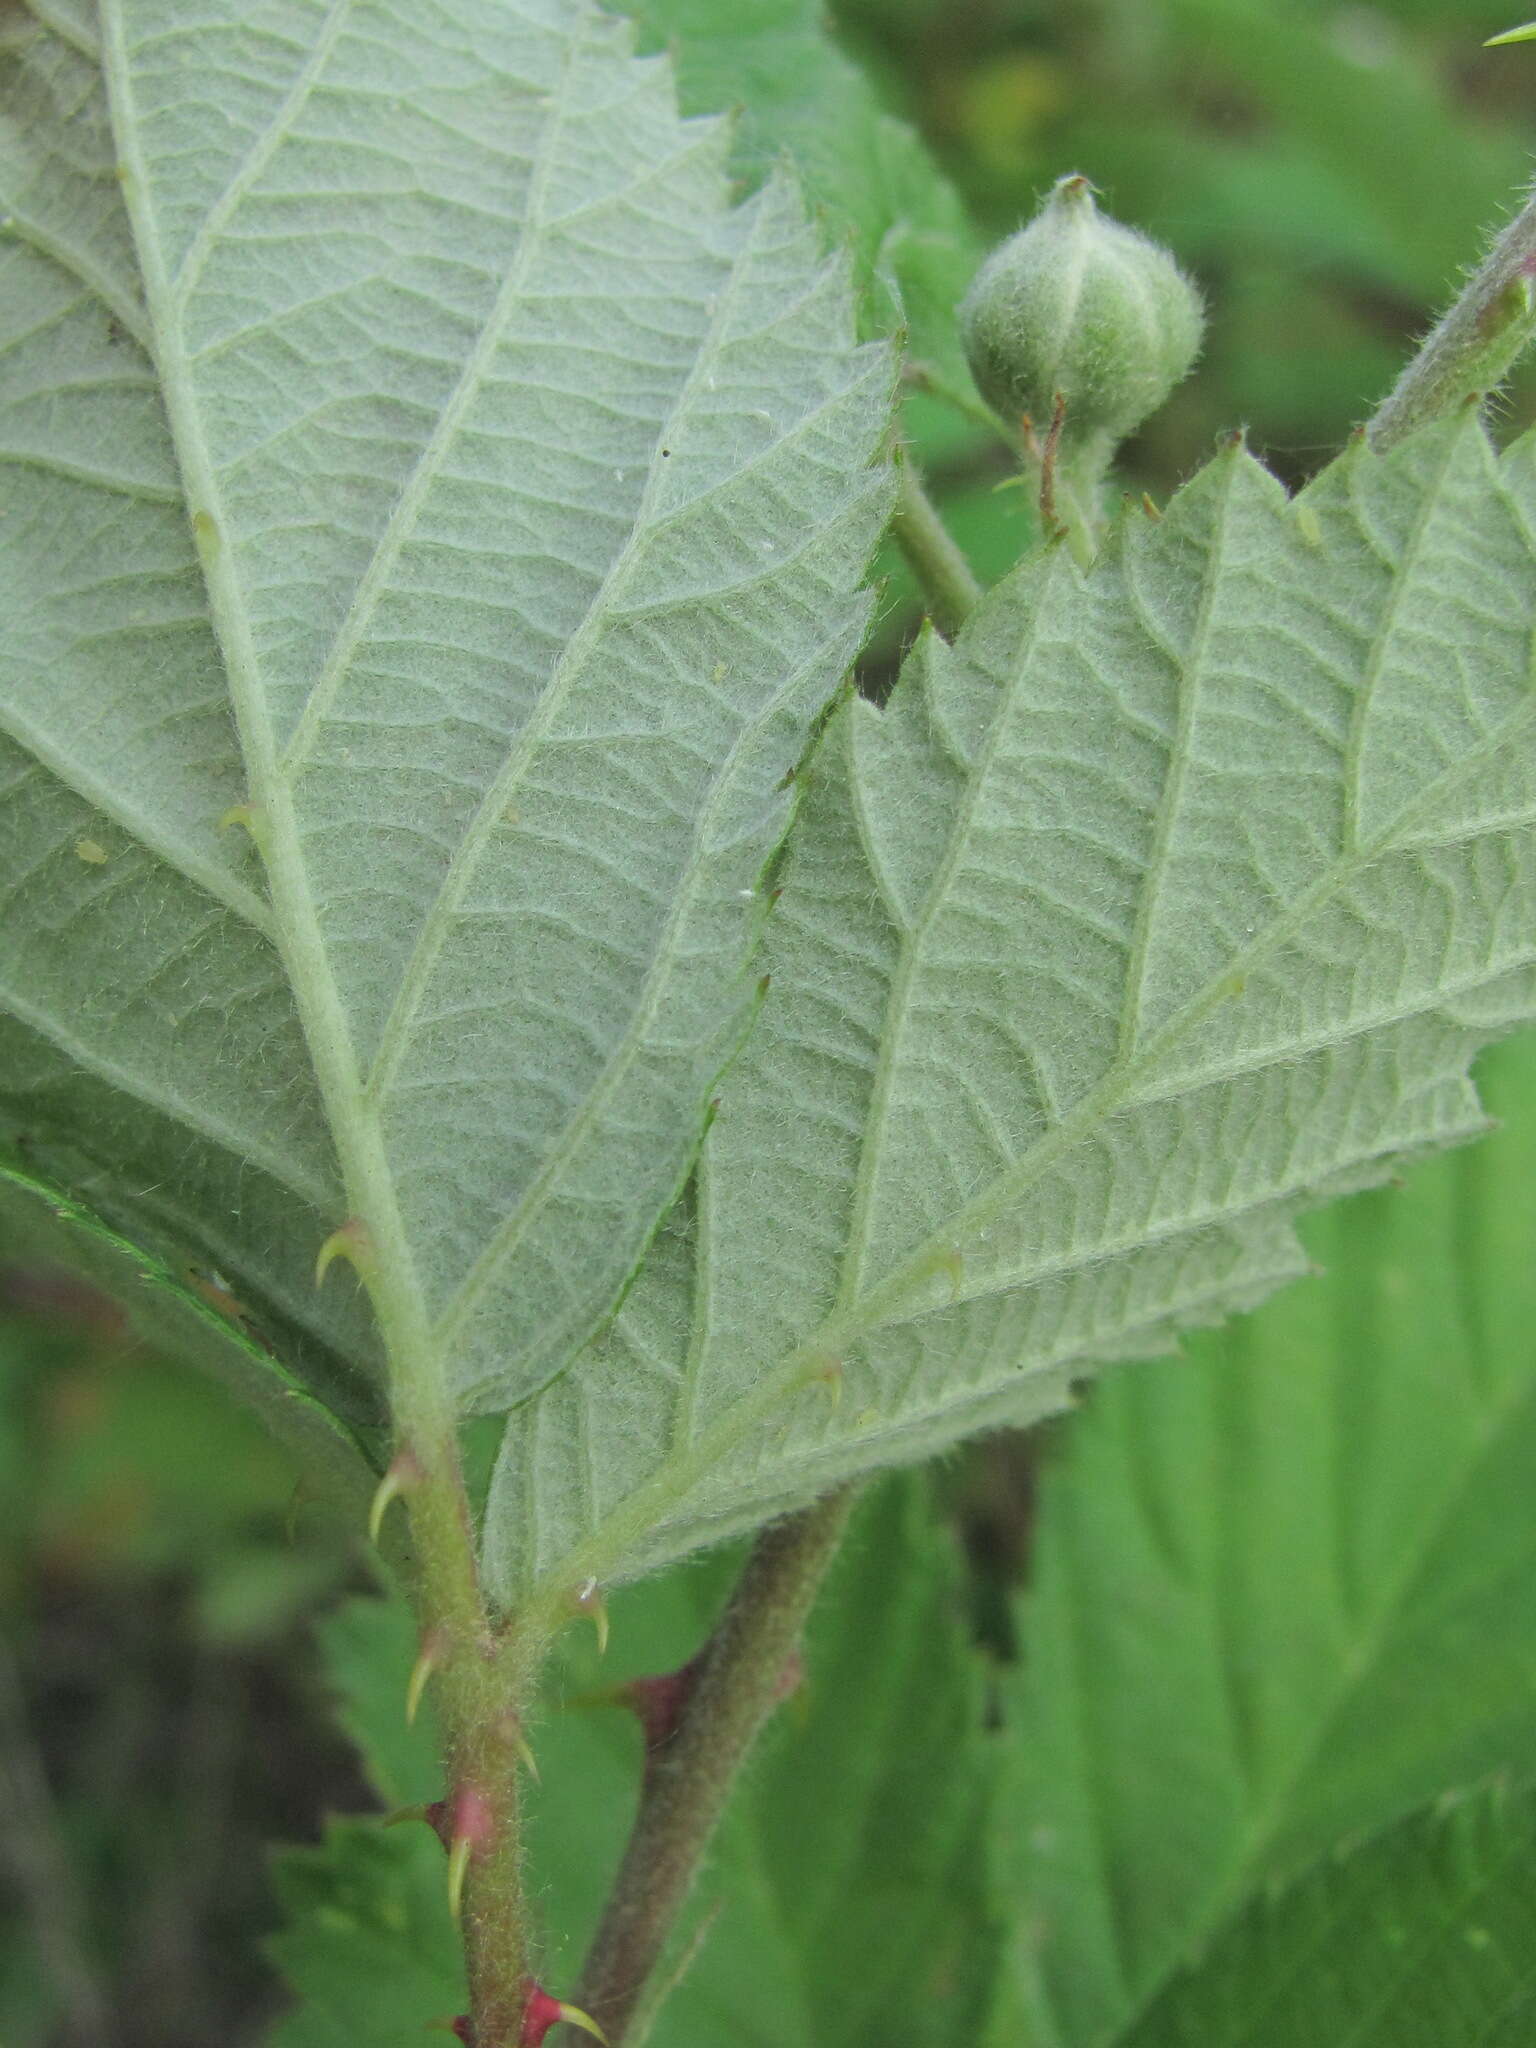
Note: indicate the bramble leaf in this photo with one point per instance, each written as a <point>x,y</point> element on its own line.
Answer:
<point>1164,903</point>
<point>433,422</point>
<point>870,174</point>
<point>1280,1590</point>
<point>1421,1939</point>
<point>403,396</point>
<point>367,1939</point>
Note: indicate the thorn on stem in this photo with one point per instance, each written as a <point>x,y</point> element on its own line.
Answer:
<point>509,1730</point>
<point>660,1700</point>
<point>404,1472</point>
<point>458,1866</point>
<point>246,816</point>
<point>464,1825</point>
<point>588,1600</point>
<point>543,2012</point>
<point>298,1500</point>
<point>350,1242</point>
<point>427,1660</point>
<point>657,1701</point>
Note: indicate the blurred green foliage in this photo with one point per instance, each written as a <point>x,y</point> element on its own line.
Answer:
<point>1326,169</point>
<point>159,1716</point>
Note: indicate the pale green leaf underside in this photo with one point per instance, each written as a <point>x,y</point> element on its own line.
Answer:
<point>1160,905</point>
<point>531,488</point>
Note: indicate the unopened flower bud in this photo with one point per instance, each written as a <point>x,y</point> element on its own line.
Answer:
<point>1078,307</point>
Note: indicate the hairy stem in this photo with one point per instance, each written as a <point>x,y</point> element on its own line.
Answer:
<point>480,1683</point>
<point>1475,345</point>
<point>943,572</point>
<point>688,1776</point>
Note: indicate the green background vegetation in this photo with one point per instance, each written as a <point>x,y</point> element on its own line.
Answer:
<point>1248,1611</point>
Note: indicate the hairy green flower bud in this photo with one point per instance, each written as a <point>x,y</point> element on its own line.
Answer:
<point>1077,305</point>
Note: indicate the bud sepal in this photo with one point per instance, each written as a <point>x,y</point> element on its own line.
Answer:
<point>1077,307</point>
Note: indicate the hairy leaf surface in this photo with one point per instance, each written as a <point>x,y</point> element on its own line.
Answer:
<point>914,246</point>
<point>1423,1939</point>
<point>403,436</point>
<point>1281,1589</point>
<point>1162,904</point>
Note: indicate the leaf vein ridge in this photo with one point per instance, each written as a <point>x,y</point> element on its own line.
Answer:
<point>258,155</point>
<point>165,1101</point>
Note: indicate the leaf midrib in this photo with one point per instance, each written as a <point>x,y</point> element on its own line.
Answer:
<point>904,1293</point>
<point>1116,1091</point>
<point>424,1407</point>
<point>911,960</point>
